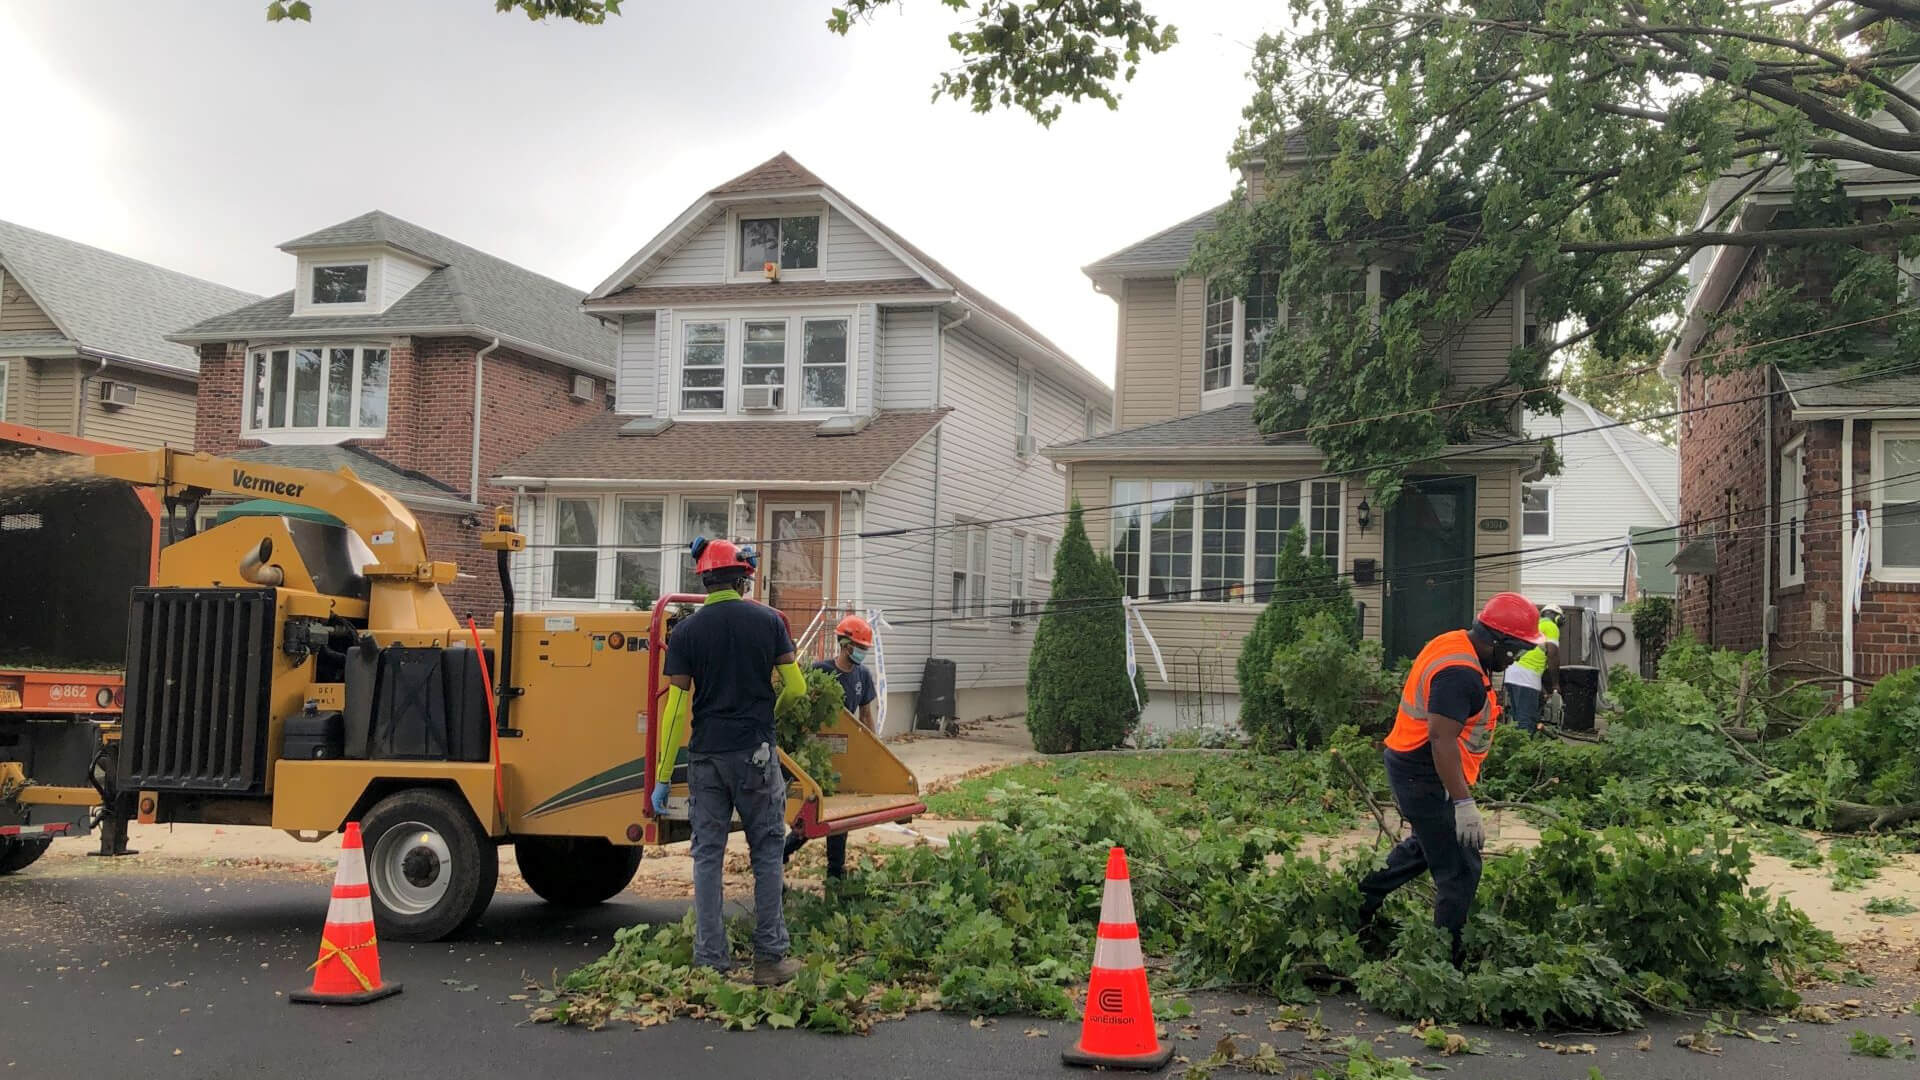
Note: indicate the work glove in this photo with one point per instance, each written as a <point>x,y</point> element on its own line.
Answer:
<point>660,789</point>
<point>1467,826</point>
<point>1556,709</point>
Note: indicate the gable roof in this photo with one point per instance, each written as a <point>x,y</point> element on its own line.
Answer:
<point>782,176</point>
<point>743,451</point>
<point>1653,466</point>
<point>1163,253</point>
<point>469,292</point>
<point>110,305</point>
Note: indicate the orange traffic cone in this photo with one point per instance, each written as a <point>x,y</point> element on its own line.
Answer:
<point>348,971</point>
<point>1118,1032</point>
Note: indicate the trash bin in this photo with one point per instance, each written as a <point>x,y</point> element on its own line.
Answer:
<point>1579,689</point>
<point>936,705</point>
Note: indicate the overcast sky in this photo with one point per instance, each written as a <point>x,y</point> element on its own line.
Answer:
<point>194,134</point>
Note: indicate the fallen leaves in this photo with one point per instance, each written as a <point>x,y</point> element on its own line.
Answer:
<point>1569,1048</point>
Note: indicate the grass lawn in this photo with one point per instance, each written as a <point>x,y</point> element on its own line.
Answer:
<point>1183,787</point>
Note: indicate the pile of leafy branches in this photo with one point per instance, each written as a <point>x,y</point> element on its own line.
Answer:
<point>1306,587</point>
<point>797,726</point>
<point>1584,929</point>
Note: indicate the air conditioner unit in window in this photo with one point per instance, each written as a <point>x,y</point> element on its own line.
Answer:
<point>1023,446</point>
<point>115,394</point>
<point>583,388</point>
<point>761,398</point>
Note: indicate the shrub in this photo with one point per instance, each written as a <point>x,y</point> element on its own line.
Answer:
<point>1334,682</point>
<point>1077,694</point>
<point>1304,585</point>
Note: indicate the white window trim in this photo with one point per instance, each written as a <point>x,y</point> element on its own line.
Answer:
<point>1017,577</point>
<point>791,403</point>
<point>608,547</point>
<point>311,436</point>
<point>970,619</point>
<point>1553,498</point>
<point>303,303</point>
<point>1023,409</point>
<point>1881,433</point>
<point>1238,391</point>
<point>736,274</point>
<point>1247,489</point>
<point>1792,513</point>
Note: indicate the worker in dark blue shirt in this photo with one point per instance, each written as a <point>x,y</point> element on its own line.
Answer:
<point>853,637</point>
<point>724,655</point>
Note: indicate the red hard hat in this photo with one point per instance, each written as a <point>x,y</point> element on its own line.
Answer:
<point>857,629</point>
<point>711,555</point>
<point>1514,615</point>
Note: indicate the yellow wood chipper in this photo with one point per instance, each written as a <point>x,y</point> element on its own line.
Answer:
<point>301,674</point>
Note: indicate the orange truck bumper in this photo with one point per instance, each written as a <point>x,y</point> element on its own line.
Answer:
<point>61,693</point>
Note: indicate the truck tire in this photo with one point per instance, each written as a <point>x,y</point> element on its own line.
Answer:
<point>575,871</point>
<point>17,855</point>
<point>431,867</point>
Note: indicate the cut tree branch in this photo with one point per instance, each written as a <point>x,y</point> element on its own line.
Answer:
<point>1694,241</point>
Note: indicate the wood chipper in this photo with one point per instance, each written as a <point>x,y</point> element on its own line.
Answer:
<point>299,674</point>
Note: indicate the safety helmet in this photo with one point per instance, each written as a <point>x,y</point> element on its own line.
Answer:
<point>1553,611</point>
<point>855,629</point>
<point>712,555</point>
<point>1514,616</point>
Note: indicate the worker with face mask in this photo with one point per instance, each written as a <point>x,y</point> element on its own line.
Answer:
<point>853,638</point>
<point>722,655</point>
<point>1534,679</point>
<point>1439,739</point>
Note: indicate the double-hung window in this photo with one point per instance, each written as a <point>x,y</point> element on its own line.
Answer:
<point>823,364</point>
<point>1896,510</point>
<point>790,243</point>
<point>1536,511</point>
<point>1017,578</point>
<point>636,572</point>
<point>1235,329</point>
<point>1216,540</point>
<point>1022,406</point>
<point>333,389</point>
<point>763,356</point>
<point>703,367</point>
<point>750,364</point>
<point>970,547</point>
<point>1793,513</point>
<point>576,551</point>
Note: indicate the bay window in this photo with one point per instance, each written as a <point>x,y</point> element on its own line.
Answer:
<point>720,357</point>
<point>620,550</point>
<point>331,389</point>
<point>1896,512</point>
<point>1216,540</point>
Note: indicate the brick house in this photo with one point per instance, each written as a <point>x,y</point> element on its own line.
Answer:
<point>795,373</point>
<point>1776,468</point>
<point>392,346</point>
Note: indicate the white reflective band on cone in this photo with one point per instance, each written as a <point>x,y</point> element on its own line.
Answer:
<point>1116,904</point>
<point>1118,954</point>
<point>352,869</point>
<point>350,911</point>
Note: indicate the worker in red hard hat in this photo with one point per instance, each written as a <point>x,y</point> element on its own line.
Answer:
<point>721,656</point>
<point>853,643</point>
<point>1440,736</point>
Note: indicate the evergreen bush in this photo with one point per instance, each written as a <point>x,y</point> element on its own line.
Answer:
<point>1077,694</point>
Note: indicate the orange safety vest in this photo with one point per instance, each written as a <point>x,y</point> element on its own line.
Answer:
<point>1451,649</point>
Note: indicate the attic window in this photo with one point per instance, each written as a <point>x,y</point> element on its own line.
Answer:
<point>792,243</point>
<point>344,283</point>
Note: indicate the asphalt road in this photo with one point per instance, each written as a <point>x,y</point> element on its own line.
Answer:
<point>125,969</point>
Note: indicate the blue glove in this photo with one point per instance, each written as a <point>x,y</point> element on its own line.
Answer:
<point>660,797</point>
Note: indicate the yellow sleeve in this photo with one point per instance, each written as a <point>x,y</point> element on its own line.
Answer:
<point>793,685</point>
<point>672,732</point>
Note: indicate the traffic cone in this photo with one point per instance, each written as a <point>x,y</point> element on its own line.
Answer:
<point>348,971</point>
<point>1118,1031</point>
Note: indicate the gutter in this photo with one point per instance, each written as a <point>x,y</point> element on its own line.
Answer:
<point>153,366</point>
<point>602,483</point>
<point>479,384</point>
<point>541,352</point>
<point>1846,561</point>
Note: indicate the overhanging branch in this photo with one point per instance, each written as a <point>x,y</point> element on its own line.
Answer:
<point>1694,241</point>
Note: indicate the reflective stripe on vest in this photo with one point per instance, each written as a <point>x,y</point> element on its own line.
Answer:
<point>1453,649</point>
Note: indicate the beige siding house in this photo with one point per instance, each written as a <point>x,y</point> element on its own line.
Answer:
<point>1193,502</point>
<point>82,350</point>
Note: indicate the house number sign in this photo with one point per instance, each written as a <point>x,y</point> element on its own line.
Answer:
<point>1493,524</point>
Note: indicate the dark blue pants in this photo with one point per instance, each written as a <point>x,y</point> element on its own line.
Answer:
<point>1525,704</point>
<point>1433,847</point>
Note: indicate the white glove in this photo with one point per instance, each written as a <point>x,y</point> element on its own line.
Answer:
<point>1467,826</point>
<point>1556,709</point>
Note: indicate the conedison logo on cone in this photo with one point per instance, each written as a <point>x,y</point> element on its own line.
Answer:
<point>1117,1031</point>
<point>348,971</point>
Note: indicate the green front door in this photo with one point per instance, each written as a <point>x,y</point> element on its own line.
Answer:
<point>1429,557</point>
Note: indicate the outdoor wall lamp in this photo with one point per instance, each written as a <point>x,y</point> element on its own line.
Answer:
<point>1364,515</point>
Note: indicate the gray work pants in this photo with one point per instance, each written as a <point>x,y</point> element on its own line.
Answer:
<point>719,785</point>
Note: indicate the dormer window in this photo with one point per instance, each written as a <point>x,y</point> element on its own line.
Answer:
<point>791,243</point>
<point>340,283</point>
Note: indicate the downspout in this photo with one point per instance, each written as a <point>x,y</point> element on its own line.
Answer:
<point>1766,542</point>
<point>860,553</point>
<point>1846,561</point>
<point>479,384</point>
<point>80,407</point>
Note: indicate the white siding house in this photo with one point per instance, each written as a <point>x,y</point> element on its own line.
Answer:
<point>1574,525</point>
<point>794,374</point>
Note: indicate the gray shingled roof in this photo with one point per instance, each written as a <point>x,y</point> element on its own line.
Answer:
<point>769,451</point>
<point>17,342</point>
<point>771,291</point>
<point>1824,390</point>
<point>109,303</point>
<point>365,464</point>
<point>1231,426</point>
<point>1166,250</point>
<point>471,292</point>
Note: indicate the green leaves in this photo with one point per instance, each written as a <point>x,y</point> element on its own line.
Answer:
<point>591,12</point>
<point>796,726</point>
<point>1077,692</point>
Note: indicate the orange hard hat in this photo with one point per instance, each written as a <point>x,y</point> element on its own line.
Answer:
<point>1514,615</point>
<point>711,555</point>
<point>856,629</point>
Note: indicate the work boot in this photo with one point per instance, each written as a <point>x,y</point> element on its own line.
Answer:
<point>775,972</point>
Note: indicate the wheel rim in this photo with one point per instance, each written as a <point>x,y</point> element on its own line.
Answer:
<point>411,868</point>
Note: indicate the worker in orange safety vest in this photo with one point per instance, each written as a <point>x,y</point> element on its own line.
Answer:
<point>1439,739</point>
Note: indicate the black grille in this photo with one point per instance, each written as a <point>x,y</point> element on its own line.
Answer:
<point>199,681</point>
